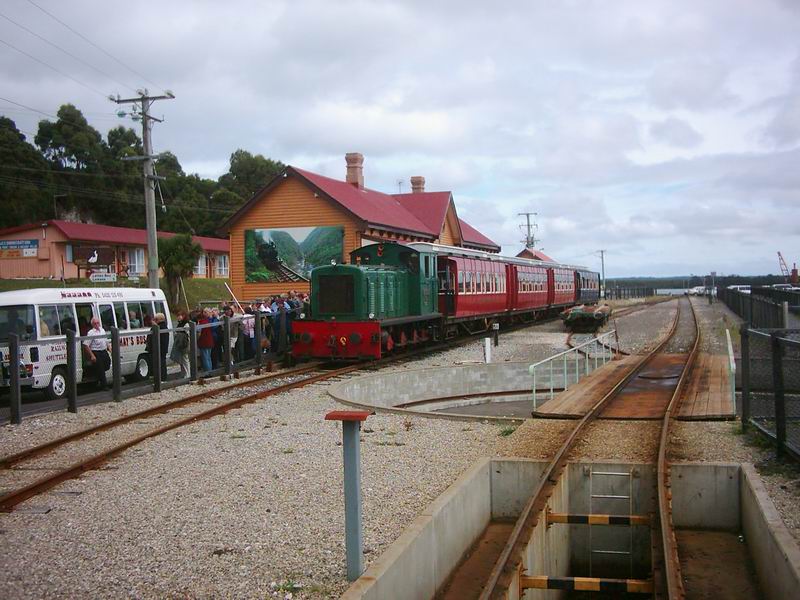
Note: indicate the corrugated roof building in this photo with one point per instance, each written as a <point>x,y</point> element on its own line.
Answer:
<point>54,249</point>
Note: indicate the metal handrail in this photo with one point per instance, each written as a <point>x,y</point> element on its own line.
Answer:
<point>597,342</point>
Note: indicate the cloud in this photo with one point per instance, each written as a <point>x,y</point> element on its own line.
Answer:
<point>693,85</point>
<point>675,132</point>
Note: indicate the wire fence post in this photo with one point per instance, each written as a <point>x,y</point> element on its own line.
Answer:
<point>72,373</point>
<point>744,332</point>
<point>777,384</point>
<point>227,354</point>
<point>13,379</point>
<point>116,366</point>
<point>155,356</point>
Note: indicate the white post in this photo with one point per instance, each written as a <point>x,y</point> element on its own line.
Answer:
<point>487,350</point>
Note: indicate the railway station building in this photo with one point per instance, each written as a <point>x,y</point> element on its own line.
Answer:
<point>54,249</point>
<point>302,219</point>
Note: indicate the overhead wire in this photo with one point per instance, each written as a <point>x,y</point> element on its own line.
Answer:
<point>49,66</point>
<point>67,52</point>
<point>90,42</point>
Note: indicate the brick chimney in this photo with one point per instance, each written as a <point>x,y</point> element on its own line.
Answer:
<point>355,168</point>
<point>417,184</point>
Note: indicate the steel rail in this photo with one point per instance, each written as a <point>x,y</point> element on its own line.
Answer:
<point>8,501</point>
<point>672,566</point>
<point>509,559</point>
<point>9,461</point>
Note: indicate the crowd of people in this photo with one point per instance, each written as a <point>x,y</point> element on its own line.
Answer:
<point>276,331</point>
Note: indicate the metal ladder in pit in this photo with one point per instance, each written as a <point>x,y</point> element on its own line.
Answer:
<point>617,499</point>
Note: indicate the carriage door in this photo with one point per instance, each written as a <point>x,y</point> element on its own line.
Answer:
<point>446,275</point>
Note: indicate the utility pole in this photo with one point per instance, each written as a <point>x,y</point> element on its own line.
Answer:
<point>603,271</point>
<point>144,102</point>
<point>530,237</point>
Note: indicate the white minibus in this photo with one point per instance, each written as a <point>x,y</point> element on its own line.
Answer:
<point>44,315</point>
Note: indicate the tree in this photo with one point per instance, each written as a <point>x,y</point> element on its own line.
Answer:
<point>177,256</point>
<point>248,173</point>
<point>26,192</point>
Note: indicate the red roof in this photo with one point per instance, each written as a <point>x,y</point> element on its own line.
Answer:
<point>422,214</point>
<point>428,207</point>
<point>376,208</point>
<point>473,236</point>
<point>534,254</point>
<point>120,236</point>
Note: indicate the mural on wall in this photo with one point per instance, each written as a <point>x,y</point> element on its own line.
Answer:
<point>286,255</point>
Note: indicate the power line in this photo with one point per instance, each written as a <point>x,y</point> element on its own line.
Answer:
<point>90,42</point>
<point>67,52</point>
<point>36,110</point>
<point>49,66</point>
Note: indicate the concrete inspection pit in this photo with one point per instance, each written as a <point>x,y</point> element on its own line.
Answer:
<point>732,542</point>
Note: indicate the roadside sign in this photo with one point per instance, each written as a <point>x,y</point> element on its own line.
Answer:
<point>103,277</point>
<point>92,256</point>
<point>19,248</point>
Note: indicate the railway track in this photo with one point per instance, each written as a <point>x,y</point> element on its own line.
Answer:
<point>507,579</point>
<point>170,417</point>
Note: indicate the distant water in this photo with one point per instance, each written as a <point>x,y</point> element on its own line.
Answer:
<point>671,291</point>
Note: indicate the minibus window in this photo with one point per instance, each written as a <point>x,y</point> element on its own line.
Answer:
<point>55,320</point>
<point>16,319</point>
<point>147,313</point>
<point>121,313</point>
<point>106,316</point>
<point>160,308</point>
<point>85,315</point>
<point>135,315</point>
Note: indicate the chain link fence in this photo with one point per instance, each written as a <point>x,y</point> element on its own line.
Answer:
<point>770,370</point>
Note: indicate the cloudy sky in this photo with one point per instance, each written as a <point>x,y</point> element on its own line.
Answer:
<point>667,133</point>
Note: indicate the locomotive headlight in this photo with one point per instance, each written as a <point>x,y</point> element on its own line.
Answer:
<point>371,315</point>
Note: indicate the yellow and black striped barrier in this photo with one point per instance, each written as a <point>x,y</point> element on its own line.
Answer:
<point>553,517</point>
<point>586,584</point>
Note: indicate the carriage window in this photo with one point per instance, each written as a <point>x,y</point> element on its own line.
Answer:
<point>121,314</point>
<point>106,316</point>
<point>461,282</point>
<point>17,319</point>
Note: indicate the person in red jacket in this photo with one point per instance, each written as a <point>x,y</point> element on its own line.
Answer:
<point>205,341</point>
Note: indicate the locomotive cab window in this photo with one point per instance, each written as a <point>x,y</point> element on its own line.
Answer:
<point>337,294</point>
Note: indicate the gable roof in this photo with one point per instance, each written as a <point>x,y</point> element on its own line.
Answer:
<point>472,236</point>
<point>119,236</point>
<point>534,254</point>
<point>422,214</point>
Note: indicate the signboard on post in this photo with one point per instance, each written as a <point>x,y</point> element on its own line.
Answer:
<point>103,277</point>
<point>19,248</point>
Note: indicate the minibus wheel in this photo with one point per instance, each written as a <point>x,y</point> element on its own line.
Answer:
<point>57,388</point>
<point>142,370</point>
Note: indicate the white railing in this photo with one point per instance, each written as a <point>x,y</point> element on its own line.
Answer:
<point>596,350</point>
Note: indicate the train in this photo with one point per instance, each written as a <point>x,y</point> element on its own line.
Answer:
<point>392,296</point>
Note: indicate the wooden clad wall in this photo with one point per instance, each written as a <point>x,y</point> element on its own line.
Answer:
<point>449,235</point>
<point>290,204</point>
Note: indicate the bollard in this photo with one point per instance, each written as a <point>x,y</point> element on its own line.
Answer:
<point>351,452</point>
<point>496,332</point>
<point>13,379</point>
<point>259,337</point>
<point>192,351</point>
<point>72,373</point>
<point>116,365</point>
<point>778,392</point>
<point>155,356</point>
<point>227,354</point>
<point>487,350</point>
<point>744,332</point>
